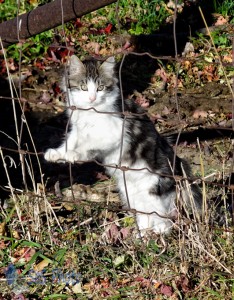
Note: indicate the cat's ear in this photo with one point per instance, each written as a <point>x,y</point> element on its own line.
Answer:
<point>109,65</point>
<point>75,65</point>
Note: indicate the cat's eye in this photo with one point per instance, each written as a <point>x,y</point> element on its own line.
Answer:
<point>84,87</point>
<point>101,88</point>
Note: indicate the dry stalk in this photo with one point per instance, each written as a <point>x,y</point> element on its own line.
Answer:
<point>11,86</point>
<point>23,161</point>
<point>19,214</point>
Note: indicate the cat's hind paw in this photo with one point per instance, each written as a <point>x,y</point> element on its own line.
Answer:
<point>163,227</point>
<point>52,155</point>
<point>150,222</point>
<point>72,156</point>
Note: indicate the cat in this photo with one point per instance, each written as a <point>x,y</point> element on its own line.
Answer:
<point>132,141</point>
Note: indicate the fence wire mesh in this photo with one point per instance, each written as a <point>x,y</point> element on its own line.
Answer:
<point>22,125</point>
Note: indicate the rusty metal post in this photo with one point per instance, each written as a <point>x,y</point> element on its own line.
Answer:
<point>46,17</point>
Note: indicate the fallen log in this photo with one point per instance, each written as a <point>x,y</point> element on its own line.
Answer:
<point>46,17</point>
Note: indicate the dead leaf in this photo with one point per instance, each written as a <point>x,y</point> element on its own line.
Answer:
<point>29,254</point>
<point>166,111</point>
<point>156,283</point>
<point>119,260</point>
<point>221,21</point>
<point>41,265</point>
<point>183,283</point>
<point>19,297</point>
<point>105,283</point>
<point>33,2</point>
<point>166,290</point>
<point>200,114</point>
<point>124,232</point>
<point>2,228</point>
<point>144,282</point>
<point>112,233</point>
<point>227,58</point>
<point>68,206</point>
<point>44,97</point>
<point>95,46</point>
<point>141,100</point>
<point>77,288</point>
<point>101,176</point>
<point>24,254</point>
<point>16,234</point>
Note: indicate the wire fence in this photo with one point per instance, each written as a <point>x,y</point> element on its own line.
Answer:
<point>25,153</point>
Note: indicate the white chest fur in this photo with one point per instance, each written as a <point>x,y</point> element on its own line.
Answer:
<point>96,131</point>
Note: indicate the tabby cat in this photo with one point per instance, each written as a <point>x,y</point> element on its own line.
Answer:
<point>99,131</point>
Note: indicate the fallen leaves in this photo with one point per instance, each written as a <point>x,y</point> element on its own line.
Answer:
<point>200,114</point>
<point>220,20</point>
<point>23,255</point>
<point>94,46</point>
<point>42,265</point>
<point>106,287</point>
<point>114,234</point>
<point>44,97</point>
<point>166,290</point>
<point>141,100</point>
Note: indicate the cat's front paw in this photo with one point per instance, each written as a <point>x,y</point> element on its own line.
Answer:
<point>52,155</point>
<point>71,156</point>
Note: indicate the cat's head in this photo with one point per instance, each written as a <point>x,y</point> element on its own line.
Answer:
<point>92,82</point>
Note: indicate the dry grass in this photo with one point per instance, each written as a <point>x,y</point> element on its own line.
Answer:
<point>101,258</point>
<point>79,244</point>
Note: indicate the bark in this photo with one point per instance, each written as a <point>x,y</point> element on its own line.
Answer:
<point>46,17</point>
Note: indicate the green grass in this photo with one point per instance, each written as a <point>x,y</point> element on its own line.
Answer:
<point>133,17</point>
<point>225,8</point>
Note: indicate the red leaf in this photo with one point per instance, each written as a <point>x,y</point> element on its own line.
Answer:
<point>229,116</point>
<point>56,89</point>
<point>52,54</point>
<point>105,283</point>
<point>140,279</point>
<point>124,233</point>
<point>39,65</point>
<point>112,233</point>
<point>78,23</point>
<point>108,29</point>
<point>166,290</point>
<point>144,282</point>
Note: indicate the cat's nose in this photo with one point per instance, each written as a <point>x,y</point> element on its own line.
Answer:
<point>92,98</point>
